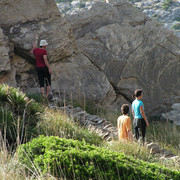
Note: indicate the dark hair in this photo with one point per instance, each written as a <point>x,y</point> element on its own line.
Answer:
<point>125,109</point>
<point>137,93</point>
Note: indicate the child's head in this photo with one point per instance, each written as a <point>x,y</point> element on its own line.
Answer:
<point>125,109</point>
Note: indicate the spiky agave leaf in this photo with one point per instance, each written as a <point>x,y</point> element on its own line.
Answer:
<point>4,91</point>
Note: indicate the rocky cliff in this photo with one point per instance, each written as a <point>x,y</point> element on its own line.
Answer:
<point>24,22</point>
<point>102,54</point>
<point>132,50</point>
<point>166,12</point>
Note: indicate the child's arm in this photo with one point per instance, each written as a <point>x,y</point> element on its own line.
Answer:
<point>133,112</point>
<point>128,128</point>
<point>130,135</point>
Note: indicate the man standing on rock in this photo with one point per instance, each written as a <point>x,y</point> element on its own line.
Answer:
<point>42,67</point>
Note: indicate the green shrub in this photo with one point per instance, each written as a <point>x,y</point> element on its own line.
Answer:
<point>176,26</point>
<point>58,1</point>
<point>166,4</point>
<point>177,19</point>
<point>82,5</point>
<point>18,115</point>
<point>38,98</point>
<point>77,160</point>
<point>4,89</point>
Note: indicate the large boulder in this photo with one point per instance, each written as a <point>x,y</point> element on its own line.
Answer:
<point>25,22</point>
<point>132,50</point>
<point>174,114</point>
<point>74,75</point>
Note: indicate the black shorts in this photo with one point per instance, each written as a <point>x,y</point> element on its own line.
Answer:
<point>44,76</point>
<point>140,128</point>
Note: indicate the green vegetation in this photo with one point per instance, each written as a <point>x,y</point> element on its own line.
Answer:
<point>18,115</point>
<point>176,26</point>
<point>55,123</point>
<point>78,160</point>
<point>167,4</point>
<point>82,5</point>
<point>58,1</point>
<point>23,118</point>
<point>166,134</point>
<point>177,19</point>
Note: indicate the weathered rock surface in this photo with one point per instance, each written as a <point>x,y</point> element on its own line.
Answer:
<point>27,22</point>
<point>168,15</point>
<point>174,114</point>
<point>132,50</point>
<point>24,22</point>
<point>122,50</point>
<point>4,58</point>
<point>166,12</point>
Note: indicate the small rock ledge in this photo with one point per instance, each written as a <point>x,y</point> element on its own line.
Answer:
<point>93,123</point>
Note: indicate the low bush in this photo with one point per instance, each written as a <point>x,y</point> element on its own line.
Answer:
<point>176,27</point>
<point>177,19</point>
<point>74,159</point>
<point>167,4</point>
<point>18,115</point>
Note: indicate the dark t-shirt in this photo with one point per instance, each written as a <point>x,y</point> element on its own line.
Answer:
<point>39,53</point>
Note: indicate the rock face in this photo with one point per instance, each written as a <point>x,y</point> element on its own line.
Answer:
<point>5,61</point>
<point>166,12</point>
<point>132,50</point>
<point>110,50</point>
<point>24,22</point>
<point>174,114</point>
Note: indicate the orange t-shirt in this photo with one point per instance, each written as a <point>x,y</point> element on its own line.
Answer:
<point>124,125</point>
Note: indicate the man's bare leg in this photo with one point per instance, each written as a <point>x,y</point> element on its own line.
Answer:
<point>42,91</point>
<point>47,91</point>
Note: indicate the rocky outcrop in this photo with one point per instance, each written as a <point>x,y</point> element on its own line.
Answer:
<point>132,50</point>
<point>24,22</point>
<point>110,50</point>
<point>5,65</point>
<point>174,114</point>
<point>166,12</point>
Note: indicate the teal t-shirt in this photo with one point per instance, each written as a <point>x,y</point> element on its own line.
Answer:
<point>136,107</point>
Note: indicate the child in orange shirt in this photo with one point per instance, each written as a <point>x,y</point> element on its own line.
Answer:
<point>124,124</point>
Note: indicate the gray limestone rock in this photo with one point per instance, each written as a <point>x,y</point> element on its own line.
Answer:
<point>102,54</point>
<point>4,58</point>
<point>133,51</point>
<point>174,114</point>
<point>74,75</point>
